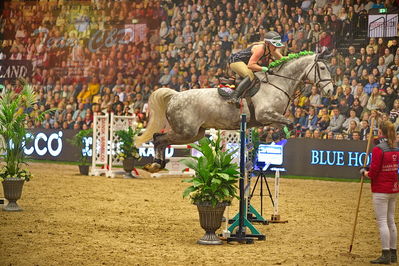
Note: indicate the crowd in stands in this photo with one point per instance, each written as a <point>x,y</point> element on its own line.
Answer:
<point>187,45</point>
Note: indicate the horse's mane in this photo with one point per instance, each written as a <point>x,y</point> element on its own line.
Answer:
<point>289,58</point>
<point>289,62</point>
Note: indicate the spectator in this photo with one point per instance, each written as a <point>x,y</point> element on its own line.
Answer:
<point>375,101</point>
<point>357,107</point>
<point>81,112</point>
<point>352,117</point>
<point>368,88</point>
<point>355,135</point>
<point>311,119</point>
<point>364,129</point>
<point>389,99</point>
<point>336,121</point>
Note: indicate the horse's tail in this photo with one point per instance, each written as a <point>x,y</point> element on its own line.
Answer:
<point>157,104</point>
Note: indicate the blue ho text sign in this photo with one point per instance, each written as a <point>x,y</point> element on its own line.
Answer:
<point>338,158</point>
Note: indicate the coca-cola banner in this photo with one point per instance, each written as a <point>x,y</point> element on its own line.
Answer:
<point>14,69</point>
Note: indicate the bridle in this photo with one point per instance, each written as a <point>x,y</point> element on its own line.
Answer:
<point>317,76</point>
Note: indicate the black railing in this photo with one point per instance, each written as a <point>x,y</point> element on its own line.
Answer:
<point>377,28</point>
<point>383,27</point>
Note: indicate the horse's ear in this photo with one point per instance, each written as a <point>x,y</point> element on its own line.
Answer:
<point>325,54</point>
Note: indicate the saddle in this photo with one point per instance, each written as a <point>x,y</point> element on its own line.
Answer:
<point>227,86</point>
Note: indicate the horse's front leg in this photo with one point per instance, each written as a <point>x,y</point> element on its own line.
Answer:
<point>268,117</point>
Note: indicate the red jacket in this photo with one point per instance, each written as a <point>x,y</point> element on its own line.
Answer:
<point>384,169</point>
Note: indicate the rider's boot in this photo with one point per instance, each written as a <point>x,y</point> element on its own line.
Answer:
<point>235,96</point>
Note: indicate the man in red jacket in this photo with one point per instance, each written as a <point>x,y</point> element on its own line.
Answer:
<point>384,186</point>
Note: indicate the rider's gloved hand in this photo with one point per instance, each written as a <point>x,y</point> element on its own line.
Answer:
<point>265,69</point>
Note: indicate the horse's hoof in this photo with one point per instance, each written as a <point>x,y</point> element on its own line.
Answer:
<point>147,166</point>
<point>153,168</point>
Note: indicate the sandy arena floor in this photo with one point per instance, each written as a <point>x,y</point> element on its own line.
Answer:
<point>69,219</point>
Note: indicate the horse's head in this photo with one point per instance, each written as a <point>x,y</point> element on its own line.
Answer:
<point>319,73</point>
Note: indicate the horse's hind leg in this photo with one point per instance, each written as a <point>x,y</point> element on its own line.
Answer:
<point>162,141</point>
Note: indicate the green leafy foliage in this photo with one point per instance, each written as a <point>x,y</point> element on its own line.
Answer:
<point>216,176</point>
<point>78,141</point>
<point>15,137</point>
<point>127,147</point>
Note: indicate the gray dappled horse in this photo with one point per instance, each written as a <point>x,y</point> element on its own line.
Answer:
<point>190,112</point>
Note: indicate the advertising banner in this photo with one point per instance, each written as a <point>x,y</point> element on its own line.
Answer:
<point>324,158</point>
<point>302,157</point>
<point>13,69</point>
<point>51,144</point>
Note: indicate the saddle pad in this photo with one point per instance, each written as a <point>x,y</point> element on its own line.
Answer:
<point>225,92</point>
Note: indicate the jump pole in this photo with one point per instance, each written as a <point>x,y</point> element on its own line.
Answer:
<point>242,223</point>
<point>275,216</point>
<point>361,183</point>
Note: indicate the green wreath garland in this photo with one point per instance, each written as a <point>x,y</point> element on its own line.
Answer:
<point>290,57</point>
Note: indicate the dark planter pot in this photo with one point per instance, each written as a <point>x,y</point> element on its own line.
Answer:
<point>128,166</point>
<point>12,188</point>
<point>210,220</point>
<point>84,169</point>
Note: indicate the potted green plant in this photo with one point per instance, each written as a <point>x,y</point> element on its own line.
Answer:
<point>79,141</point>
<point>213,186</point>
<point>128,152</point>
<point>13,114</point>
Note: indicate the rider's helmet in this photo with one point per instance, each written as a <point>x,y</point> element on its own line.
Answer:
<point>273,38</point>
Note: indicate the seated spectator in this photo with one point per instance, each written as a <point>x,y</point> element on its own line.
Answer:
<point>357,107</point>
<point>316,134</point>
<point>348,96</point>
<point>382,66</point>
<point>315,98</point>
<point>330,135</point>
<point>364,129</point>
<point>339,136</point>
<point>389,99</point>
<point>69,122</point>
<point>323,122</point>
<point>364,77</point>
<point>343,107</point>
<point>339,94</point>
<point>352,117</point>
<point>388,57</point>
<point>325,41</point>
<point>138,102</point>
<point>310,120</point>
<point>361,95</point>
<point>84,96</point>
<point>308,134</point>
<point>336,121</point>
<point>355,135</point>
<point>368,88</point>
<point>394,112</point>
<point>375,101</point>
<point>299,119</point>
<point>395,84</point>
<point>165,78</point>
<point>79,112</point>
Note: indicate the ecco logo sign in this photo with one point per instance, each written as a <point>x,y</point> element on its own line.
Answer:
<point>43,144</point>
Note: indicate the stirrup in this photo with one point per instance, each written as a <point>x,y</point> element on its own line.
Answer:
<point>233,100</point>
